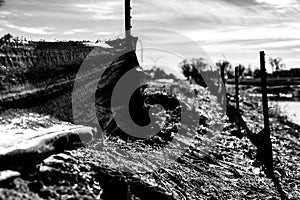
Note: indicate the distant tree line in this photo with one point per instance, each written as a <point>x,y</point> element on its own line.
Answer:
<point>196,69</point>
<point>193,69</point>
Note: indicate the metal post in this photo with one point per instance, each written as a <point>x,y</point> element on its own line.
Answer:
<point>127,19</point>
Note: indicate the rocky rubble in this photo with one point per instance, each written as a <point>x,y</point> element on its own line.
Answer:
<point>29,138</point>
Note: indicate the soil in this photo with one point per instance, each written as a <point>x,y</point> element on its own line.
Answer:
<point>111,168</point>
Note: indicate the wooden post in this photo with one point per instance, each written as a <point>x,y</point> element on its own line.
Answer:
<point>237,88</point>
<point>237,100</point>
<point>240,71</point>
<point>127,19</point>
<point>265,149</point>
<point>223,74</point>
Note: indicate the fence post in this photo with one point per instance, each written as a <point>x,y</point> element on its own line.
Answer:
<point>265,149</point>
<point>222,68</point>
<point>127,19</point>
<point>237,100</point>
<point>237,87</point>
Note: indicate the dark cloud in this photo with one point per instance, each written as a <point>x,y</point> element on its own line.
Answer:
<point>1,2</point>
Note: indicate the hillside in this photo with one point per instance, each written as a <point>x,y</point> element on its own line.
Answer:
<point>214,163</point>
<point>32,69</point>
<point>228,171</point>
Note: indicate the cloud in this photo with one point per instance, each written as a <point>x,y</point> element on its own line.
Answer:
<point>239,29</point>
<point>31,30</point>
<point>35,30</point>
<point>297,60</point>
<point>278,3</point>
<point>75,31</point>
<point>104,33</point>
<point>195,14</point>
<point>279,44</point>
<point>4,14</point>
<point>233,27</point>
<point>103,10</point>
<point>239,34</point>
<point>1,2</point>
<point>297,49</point>
<point>29,14</point>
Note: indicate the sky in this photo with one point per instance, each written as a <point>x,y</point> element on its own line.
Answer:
<point>235,30</point>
